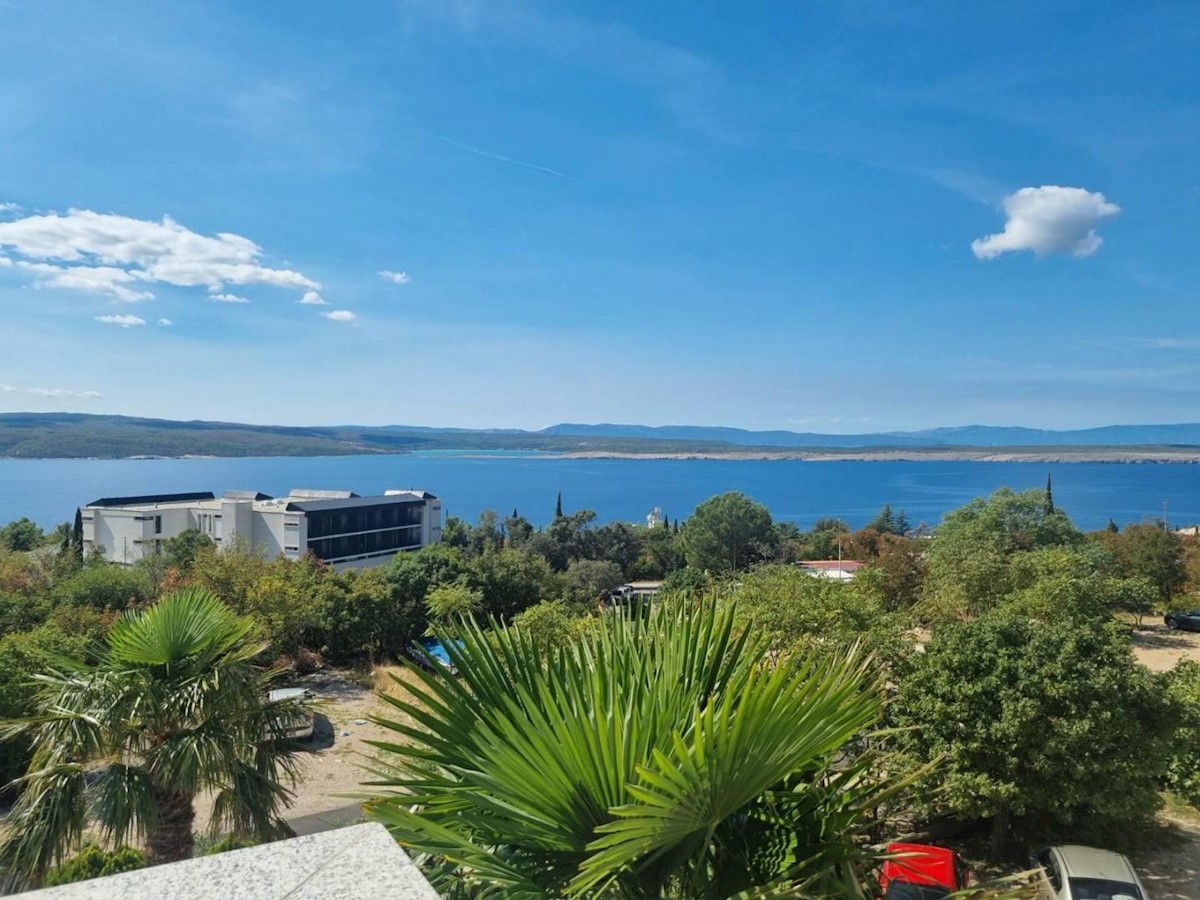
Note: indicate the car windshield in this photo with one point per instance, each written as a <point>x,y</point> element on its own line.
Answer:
<point>899,890</point>
<point>1104,889</point>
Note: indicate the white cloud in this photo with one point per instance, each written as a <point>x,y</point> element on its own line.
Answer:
<point>9,208</point>
<point>227,298</point>
<point>165,323</point>
<point>339,315</point>
<point>1049,219</point>
<point>5,261</point>
<point>312,298</point>
<point>49,392</point>
<point>395,277</point>
<point>97,279</point>
<point>106,253</point>
<point>64,392</point>
<point>123,321</point>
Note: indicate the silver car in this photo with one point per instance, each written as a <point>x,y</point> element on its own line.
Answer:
<point>1072,872</point>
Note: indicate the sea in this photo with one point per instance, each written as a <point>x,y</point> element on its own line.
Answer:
<point>48,491</point>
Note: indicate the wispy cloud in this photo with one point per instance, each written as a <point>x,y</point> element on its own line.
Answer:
<point>50,392</point>
<point>122,321</point>
<point>395,277</point>
<point>1049,219</point>
<point>534,167</point>
<point>227,298</point>
<point>1165,343</point>
<point>110,254</point>
<point>688,87</point>
<point>312,298</point>
<point>164,323</point>
<point>339,315</point>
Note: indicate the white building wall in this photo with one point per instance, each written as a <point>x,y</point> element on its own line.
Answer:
<point>126,534</point>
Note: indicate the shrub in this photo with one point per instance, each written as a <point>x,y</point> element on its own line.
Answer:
<point>93,862</point>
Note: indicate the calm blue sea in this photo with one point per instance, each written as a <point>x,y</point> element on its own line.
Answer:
<point>48,491</point>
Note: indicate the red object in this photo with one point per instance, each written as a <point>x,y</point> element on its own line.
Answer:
<point>924,865</point>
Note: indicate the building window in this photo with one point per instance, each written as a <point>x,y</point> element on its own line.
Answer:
<point>158,524</point>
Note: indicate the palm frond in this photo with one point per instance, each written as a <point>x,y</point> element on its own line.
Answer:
<point>633,762</point>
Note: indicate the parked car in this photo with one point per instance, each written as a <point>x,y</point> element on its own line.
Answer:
<point>300,723</point>
<point>429,653</point>
<point>921,872</point>
<point>1073,872</point>
<point>1186,621</point>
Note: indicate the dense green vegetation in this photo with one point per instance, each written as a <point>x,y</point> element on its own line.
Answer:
<point>998,643</point>
<point>647,758</point>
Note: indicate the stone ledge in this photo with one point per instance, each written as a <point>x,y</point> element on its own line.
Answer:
<point>360,862</point>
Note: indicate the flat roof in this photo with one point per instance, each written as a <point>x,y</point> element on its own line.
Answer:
<point>302,505</point>
<point>151,499</point>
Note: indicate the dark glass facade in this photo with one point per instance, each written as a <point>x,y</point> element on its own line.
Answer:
<point>362,530</point>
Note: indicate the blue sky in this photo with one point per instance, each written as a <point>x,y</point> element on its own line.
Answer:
<point>842,216</point>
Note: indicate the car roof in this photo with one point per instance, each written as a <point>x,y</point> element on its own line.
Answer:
<point>291,693</point>
<point>921,864</point>
<point>1089,862</point>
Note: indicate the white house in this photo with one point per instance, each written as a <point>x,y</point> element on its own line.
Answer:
<point>345,530</point>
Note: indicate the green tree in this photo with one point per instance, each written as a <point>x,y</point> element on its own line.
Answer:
<point>1051,729</point>
<point>659,554</point>
<point>487,534</point>
<point>181,550</point>
<point>548,624</point>
<point>22,654</point>
<point>885,522</point>
<point>649,758</point>
<point>727,533</point>
<point>21,535</point>
<point>617,543</point>
<point>450,603</point>
<point>828,539</point>
<point>1147,551</point>
<point>510,581</point>
<point>517,530</point>
<point>797,613</point>
<point>103,586</point>
<point>587,580</point>
<point>1183,770</point>
<point>174,707</point>
<point>968,559</point>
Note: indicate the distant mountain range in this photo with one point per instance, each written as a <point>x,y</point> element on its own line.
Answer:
<point>77,435</point>
<point>1185,435</point>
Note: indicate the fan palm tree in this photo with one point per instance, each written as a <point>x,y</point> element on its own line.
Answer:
<point>174,706</point>
<point>658,756</point>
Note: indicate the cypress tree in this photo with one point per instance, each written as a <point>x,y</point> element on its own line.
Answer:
<point>1112,526</point>
<point>1049,495</point>
<point>558,507</point>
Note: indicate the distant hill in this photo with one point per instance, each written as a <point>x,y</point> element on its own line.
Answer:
<point>78,435</point>
<point>1185,435</point>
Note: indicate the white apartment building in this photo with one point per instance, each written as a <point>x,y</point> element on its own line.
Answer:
<point>340,527</point>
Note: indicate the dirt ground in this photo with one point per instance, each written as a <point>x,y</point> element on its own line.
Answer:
<point>340,757</point>
<point>1159,648</point>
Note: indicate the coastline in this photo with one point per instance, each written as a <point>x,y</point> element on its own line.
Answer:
<point>1134,456</point>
